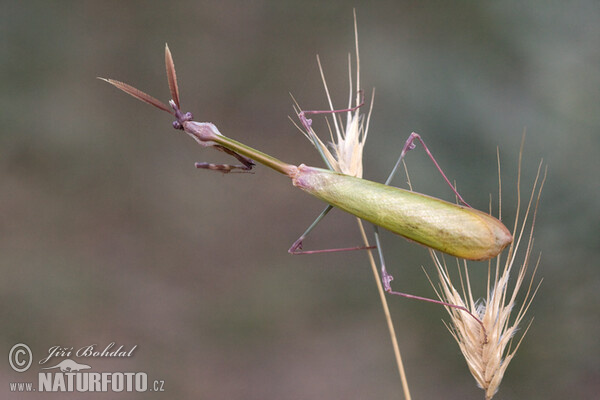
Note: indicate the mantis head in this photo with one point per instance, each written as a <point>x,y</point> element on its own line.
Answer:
<point>204,133</point>
<point>175,108</point>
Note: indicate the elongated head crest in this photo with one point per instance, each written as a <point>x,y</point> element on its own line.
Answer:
<point>173,88</point>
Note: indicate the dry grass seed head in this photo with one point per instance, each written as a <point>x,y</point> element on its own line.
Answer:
<point>488,352</point>
<point>345,149</point>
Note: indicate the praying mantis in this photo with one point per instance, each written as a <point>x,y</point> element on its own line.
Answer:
<point>458,230</point>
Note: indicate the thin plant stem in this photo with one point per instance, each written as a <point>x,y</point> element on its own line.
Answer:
<point>386,312</point>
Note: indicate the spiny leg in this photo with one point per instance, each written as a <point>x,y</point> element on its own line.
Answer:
<point>224,168</point>
<point>246,166</point>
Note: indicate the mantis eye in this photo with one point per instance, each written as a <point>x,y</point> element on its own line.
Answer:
<point>177,125</point>
<point>188,116</point>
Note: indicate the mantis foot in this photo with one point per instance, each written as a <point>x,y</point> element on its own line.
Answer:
<point>386,279</point>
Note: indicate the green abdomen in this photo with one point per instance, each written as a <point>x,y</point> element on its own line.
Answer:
<point>456,230</point>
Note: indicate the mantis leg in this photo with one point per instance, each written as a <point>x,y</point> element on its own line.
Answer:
<point>410,145</point>
<point>386,278</point>
<point>296,248</point>
<point>246,166</point>
<point>306,123</point>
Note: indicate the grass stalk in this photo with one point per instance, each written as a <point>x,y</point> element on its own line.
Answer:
<point>386,312</point>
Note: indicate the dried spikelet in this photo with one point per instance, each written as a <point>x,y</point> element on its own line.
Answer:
<point>344,153</point>
<point>488,352</point>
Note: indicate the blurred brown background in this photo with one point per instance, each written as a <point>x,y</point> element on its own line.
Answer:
<point>108,233</point>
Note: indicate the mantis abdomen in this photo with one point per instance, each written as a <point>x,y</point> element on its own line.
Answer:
<point>459,231</point>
